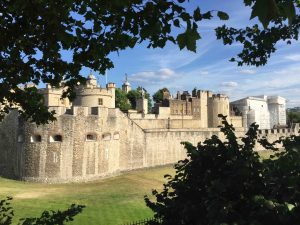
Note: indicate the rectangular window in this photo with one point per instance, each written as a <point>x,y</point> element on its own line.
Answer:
<point>100,101</point>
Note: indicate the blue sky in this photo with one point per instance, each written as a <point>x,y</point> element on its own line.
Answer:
<point>209,68</point>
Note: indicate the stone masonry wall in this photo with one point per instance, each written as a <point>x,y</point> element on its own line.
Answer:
<point>82,147</point>
<point>10,154</point>
<point>118,145</point>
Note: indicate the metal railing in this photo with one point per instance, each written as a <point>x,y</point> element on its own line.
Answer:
<point>144,221</point>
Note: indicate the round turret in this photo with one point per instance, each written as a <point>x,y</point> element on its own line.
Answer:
<point>217,104</point>
<point>91,95</point>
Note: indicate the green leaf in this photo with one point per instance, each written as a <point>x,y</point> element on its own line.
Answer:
<point>207,15</point>
<point>287,9</point>
<point>223,15</point>
<point>197,14</point>
<point>265,10</point>
<point>248,2</point>
<point>188,39</point>
<point>176,23</point>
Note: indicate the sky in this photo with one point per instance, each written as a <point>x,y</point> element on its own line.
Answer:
<point>209,68</point>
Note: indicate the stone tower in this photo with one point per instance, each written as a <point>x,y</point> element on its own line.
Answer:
<point>142,103</point>
<point>126,85</point>
<point>91,95</point>
<point>53,96</point>
<point>203,97</point>
<point>217,104</point>
<point>111,88</point>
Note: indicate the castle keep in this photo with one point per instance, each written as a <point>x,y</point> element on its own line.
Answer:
<point>91,138</point>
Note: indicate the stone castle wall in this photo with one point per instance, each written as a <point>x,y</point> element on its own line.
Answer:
<point>10,146</point>
<point>87,144</point>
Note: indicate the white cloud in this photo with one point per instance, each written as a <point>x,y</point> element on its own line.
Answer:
<point>248,71</point>
<point>153,77</point>
<point>229,84</point>
<point>204,73</point>
<point>293,103</point>
<point>293,57</point>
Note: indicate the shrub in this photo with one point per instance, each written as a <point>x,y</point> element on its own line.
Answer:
<point>47,217</point>
<point>226,182</point>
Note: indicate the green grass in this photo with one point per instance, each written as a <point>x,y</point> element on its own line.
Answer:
<point>113,201</point>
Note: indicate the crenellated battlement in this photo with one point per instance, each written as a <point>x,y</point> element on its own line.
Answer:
<point>284,131</point>
<point>93,91</point>
<point>91,138</point>
<point>219,97</point>
<point>294,130</point>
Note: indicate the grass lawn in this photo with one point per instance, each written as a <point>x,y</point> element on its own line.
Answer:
<point>112,201</point>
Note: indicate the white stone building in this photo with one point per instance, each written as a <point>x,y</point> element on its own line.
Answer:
<point>267,111</point>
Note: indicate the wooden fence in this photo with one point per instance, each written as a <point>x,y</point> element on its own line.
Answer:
<point>144,222</point>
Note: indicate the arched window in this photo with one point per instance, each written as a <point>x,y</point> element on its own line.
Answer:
<point>91,137</point>
<point>36,138</point>
<point>106,137</point>
<point>56,138</point>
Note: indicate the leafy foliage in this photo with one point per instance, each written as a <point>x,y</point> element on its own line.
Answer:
<point>122,101</point>
<point>35,33</point>
<point>225,182</point>
<point>47,217</point>
<point>6,211</point>
<point>132,96</point>
<point>158,96</point>
<point>293,117</point>
<point>126,101</point>
<point>280,23</point>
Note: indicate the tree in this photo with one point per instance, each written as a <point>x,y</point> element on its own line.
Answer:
<point>47,217</point>
<point>226,182</point>
<point>122,101</point>
<point>35,33</point>
<point>158,96</point>
<point>281,22</point>
<point>132,96</point>
<point>126,101</point>
<point>293,117</point>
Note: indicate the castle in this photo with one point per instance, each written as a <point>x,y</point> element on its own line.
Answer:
<point>91,138</point>
<point>267,111</point>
